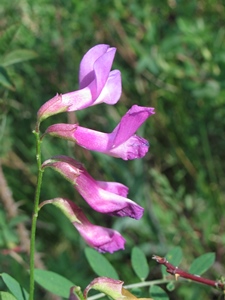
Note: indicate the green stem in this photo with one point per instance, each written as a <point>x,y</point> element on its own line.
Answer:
<point>35,211</point>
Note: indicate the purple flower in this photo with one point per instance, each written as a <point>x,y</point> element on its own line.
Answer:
<point>97,84</point>
<point>108,198</point>
<point>101,238</point>
<point>122,142</point>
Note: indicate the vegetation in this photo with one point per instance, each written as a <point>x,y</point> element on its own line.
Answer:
<point>171,55</point>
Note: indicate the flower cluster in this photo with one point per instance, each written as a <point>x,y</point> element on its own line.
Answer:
<point>97,84</point>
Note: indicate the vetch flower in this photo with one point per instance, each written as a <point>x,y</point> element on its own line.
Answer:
<point>106,198</point>
<point>121,142</point>
<point>109,286</point>
<point>101,238</point>
<point>112,288</point>
<point>97,84</point>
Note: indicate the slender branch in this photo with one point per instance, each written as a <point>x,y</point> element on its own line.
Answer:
<point>180,273</point>
<point>146,283</point>
<point>35,211</point>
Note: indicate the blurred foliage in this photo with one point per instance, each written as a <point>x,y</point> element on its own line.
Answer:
<point>172,56</point>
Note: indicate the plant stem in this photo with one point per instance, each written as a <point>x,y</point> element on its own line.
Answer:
<point>180,273</point>
<point>35,211</point>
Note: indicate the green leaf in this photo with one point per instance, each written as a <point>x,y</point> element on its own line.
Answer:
<point>15,288</point>
<point>53,282</point>
<point>174,256</point>
<point>139,263</point>
<point>5,80</point>
<point>6,296</point>
<point>100,265</point>
<point>17,56</point>
<point>157,293</point>
<point>170,286</point>
<point>202,263</point>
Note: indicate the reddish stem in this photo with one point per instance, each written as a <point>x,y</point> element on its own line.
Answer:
<point>180,273</point>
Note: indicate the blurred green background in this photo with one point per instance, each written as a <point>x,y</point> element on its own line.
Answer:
<point>172,57</point>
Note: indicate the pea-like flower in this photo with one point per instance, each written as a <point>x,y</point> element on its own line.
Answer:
<point>112,288</point>
<point>107,198</point>
<point>97,84</point>
<point>98,237</point>
<point>121,142</point>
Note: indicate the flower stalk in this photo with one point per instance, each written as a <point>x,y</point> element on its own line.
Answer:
<point>35,211</point>
<point>97,84</point>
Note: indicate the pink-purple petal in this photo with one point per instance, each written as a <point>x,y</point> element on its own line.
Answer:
<point>130,123</point>
<point>86,74</point>
<point>113,187</point>
<point>79,99</point>
<point>112,90</point>
<point>85,137</point>
<point>135,147</point>
<point>101,238</point>
<point>102,69</point>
